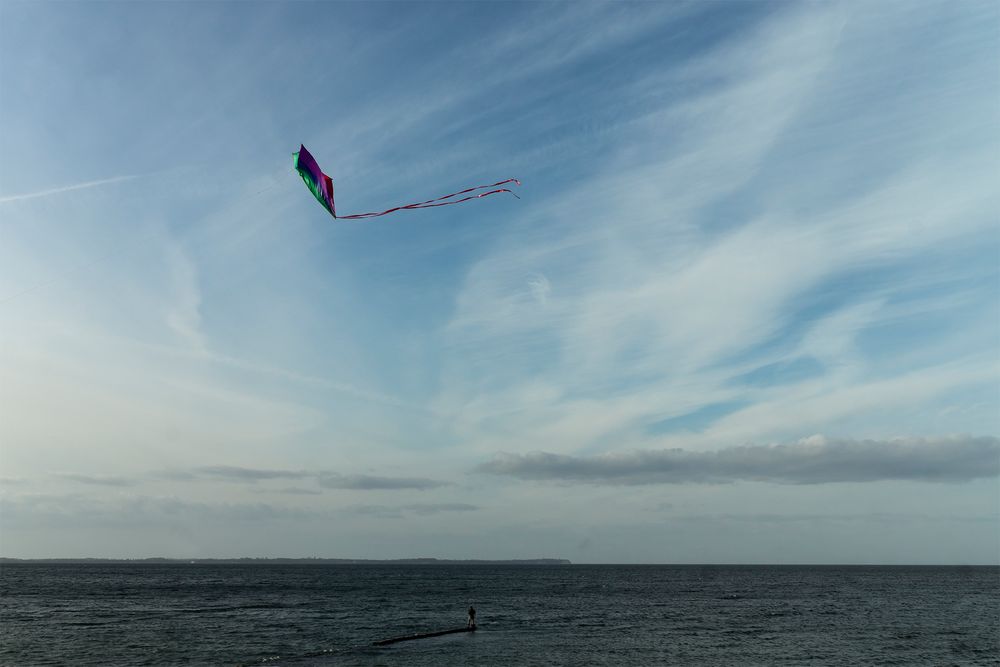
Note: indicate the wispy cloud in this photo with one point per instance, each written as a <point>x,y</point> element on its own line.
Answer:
<point>437,508</point>
<point>184,313</point>
<point>869,517</point>
<point>240,474</point>
<point>138,509</point>
<point>375,483</point>
<point>298,491</point>
<point>326,479</point>
<point>96,480</point>
<point>815,460</point>
<point>662,285</point>
<point>67,188</point>
<point>420,509</point>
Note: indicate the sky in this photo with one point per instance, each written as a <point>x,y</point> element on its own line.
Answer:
<point>746,309</point>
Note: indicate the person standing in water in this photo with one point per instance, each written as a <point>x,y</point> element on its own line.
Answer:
<point>472,617</point>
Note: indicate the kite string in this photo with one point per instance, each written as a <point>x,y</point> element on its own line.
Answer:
<point>439,201</point>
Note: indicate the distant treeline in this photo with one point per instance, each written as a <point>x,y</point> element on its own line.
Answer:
<point>282,561</point>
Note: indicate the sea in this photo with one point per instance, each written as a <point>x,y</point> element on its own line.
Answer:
<point>313,614</point>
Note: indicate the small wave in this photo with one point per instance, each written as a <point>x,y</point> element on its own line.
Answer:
<point>243,607</point>
<point>299,656</point>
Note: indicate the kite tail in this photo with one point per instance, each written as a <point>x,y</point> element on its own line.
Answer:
<point>440,201</point>
<point>468,190</point>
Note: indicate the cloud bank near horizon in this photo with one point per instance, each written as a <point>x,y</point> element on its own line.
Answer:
<point>239,474</point>
<point>815,460</point>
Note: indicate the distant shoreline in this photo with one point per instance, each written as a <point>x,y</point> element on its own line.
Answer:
<point>472,561</point>
<point>279,561</point>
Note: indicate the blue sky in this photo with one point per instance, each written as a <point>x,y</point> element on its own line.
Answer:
<point>747,308</point>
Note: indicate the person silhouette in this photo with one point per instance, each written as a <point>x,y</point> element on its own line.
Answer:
<point>472,617</point>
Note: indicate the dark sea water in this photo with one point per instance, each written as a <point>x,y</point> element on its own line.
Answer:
<point>297,615</point>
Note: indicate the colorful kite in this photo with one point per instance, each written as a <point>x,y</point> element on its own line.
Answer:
<point>322,188</point>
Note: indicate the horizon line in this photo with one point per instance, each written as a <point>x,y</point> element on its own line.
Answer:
<point>418,560</point>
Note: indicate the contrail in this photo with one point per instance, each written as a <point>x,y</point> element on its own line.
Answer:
<point>66,188</point>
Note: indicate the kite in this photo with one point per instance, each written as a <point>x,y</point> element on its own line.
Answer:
<point>322,188</point>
